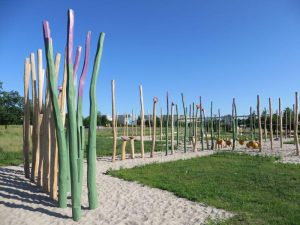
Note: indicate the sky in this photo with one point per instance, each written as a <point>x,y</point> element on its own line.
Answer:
<point>215,49</point>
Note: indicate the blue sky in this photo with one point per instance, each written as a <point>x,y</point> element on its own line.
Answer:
<point>217,49</point>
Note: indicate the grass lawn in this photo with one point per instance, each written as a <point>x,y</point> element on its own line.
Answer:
<point>11,144</point>
<point>257,189</point>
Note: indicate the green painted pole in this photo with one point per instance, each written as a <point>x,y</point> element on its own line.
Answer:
<point>80,127</point>
<point>167,125</point>
<point>91,154</point>
<point>185,120</point>
<point>72,122</point>
<point>61,140</point>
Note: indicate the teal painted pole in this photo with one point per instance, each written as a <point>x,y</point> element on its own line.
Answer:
<point>61,140</point>
<point>91,154</point>
<point>80,127</point>
<point>167,125</point>
<point>72,122</point>
<point>185,121</point>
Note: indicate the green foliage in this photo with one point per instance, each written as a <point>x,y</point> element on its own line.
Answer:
<point>11,107</point>
<point>258,190</point>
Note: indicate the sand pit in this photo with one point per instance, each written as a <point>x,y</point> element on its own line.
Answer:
<point>120,202</point>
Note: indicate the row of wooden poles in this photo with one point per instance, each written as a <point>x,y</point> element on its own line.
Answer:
<point>206,125</point>
<point>44,163</point>
<point>58,148</point>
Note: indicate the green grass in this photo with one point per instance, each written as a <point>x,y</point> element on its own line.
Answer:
<point>11,144</point>
<point>257,189</point>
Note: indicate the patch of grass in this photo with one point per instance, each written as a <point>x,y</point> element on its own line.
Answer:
<point>257,189</point>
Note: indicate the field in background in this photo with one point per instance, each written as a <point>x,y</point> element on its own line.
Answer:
<point>257,189</point>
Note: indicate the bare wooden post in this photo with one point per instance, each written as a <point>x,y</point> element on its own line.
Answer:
<point>172,128</point>
<point>296,124</point>
<point>26,123</point>
<point>286,124</point>
<point>251,123</point>
<point>290,124</point>
<point>271,123</point>
<point>154,127</point>
<point>35,153</point>
<point>277,123</point>
<point>132,117</point>
<point>132,155</point>
<point>41,76</point>
<point>205,129</point>
<point>280,120</point>
<point>113,115</point>
<point>149,124</point>
<point>126,122</point>
<point>161,124</point>
<point>124,142</point>
<point>265,125</point>
<point>259,123</point>
<point>142,120</point>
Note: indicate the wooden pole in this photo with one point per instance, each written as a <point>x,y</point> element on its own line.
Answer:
<point>277,124</point>
<point>167,125</point>
<point>233,125</point>
<point>154,127</point>
<point>113,115</point>
<point>201,124</point>
<point>271,122</point>
<point>259,123</point>
<point>185,122</point>
<point>251,123</point>
<point>219,124</point>
<point>26,123</point>
<point>41,111</point>
<point>142,120</point>
<point>205,129</point>
<point>286,124</point>
<point>172,128</point>
<point>161,124</point>
<point>290,124</point>
<point>177,127</point>
<point>35,152</point>
<point>265,124</point>
<point>296,124</point>
<point>280,121</point>
<point>211,126</point>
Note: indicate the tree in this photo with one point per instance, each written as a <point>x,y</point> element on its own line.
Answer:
<point>11,107</point>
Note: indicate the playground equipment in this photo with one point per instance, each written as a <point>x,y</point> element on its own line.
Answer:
<point>57,150</point>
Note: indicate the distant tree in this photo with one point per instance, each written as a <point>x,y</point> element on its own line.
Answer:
<point>11,107</point>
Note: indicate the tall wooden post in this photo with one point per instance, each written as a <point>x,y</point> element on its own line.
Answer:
<point>154,127</point>
<point>277,124</point>
<point>201,124</point>
<point>265,124</point>
<point>172,128</point>
<point>271,122</point>
<point>113,116</point>
<point>167,126</point>
<point>142,120</point>
<point>177,126</point>
<point>259,123</point>
<point>280,120</point>
<point>35,152</point>
<point>161,124</point>
<point>286,124</point>
<point>251,123</point>
<point>296,124</point>
<point>290,124</point>
<point>211,126</point>
<point>26,123</point>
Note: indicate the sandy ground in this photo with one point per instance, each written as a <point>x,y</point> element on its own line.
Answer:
<point>120,202</point>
